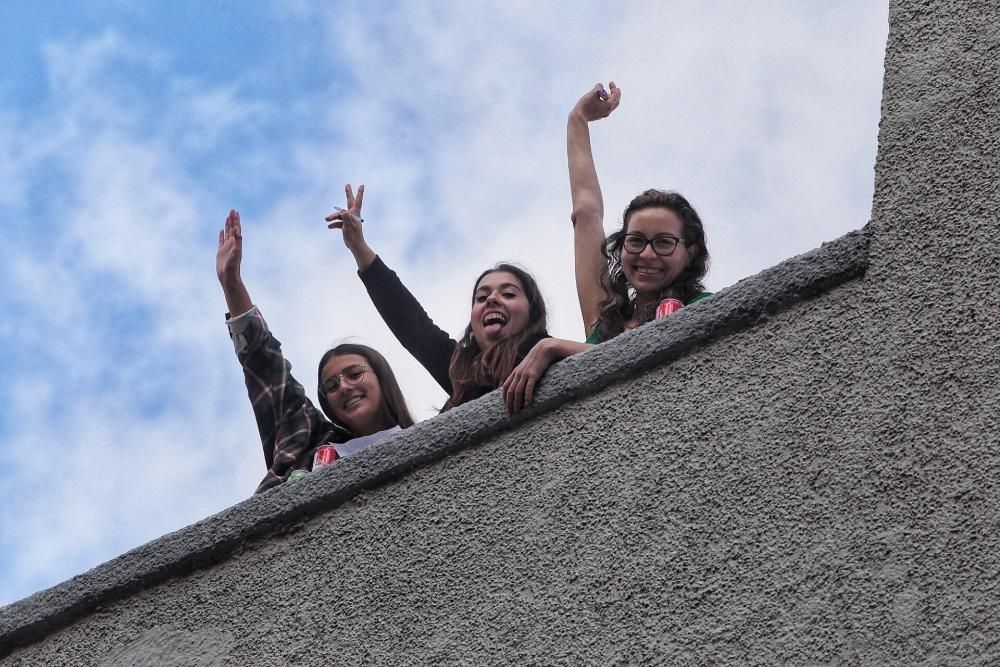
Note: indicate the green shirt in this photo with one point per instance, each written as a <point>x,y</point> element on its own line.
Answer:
<point>594,339</point>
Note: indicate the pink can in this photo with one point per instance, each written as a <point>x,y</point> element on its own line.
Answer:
<point>668,307</point>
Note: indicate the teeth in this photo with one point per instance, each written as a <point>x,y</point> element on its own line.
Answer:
<point>494,318</point>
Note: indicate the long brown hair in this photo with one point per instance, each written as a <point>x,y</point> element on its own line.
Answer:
<point>393,410</point>
<point>471,366</point>
<point>619,304</point>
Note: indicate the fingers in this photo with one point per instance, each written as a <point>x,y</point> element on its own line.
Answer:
<point>512,395</point>
<point>232,228</point>
<point>360,198</point>
<point>338,224</point>
<point>518,390</point>
<point>350,195</point>
<point>337,215</point>
<point>222,236</point>
<point>529,390</point>
<point>616,95</point>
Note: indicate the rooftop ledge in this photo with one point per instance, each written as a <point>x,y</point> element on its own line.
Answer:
<point>218,537</point>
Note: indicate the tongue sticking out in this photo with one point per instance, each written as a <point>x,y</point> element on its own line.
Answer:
<point>493,327</point>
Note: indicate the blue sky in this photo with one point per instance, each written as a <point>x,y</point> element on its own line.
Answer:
<point>128,130</point>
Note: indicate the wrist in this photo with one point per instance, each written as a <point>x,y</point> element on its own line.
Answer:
<point>230,279</point>
<point>363,255</point>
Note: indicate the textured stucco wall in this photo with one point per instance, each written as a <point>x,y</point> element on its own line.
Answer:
<point>819,488</point>
<point>709,509</point>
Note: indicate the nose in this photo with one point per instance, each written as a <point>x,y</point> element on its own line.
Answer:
<point>648,252</point>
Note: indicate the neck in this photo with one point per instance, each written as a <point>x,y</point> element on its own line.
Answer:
<point>646,300</point>
<point>369,426</point>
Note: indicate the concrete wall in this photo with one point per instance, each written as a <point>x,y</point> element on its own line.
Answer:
<point>801,470</point>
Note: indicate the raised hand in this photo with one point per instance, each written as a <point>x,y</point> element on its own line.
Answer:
<point>227,265</point>
<point>594,105</point>
<point>230,253</point>
<point>349,222</point>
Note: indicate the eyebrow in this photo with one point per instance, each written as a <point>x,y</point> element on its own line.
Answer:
<point>654,236</point>
<point>342,371</point>
<point>502,286</point>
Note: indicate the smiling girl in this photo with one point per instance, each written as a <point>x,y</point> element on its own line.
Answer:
<point>658,253</point>
<point>358,393</point>
<point>505,345</point>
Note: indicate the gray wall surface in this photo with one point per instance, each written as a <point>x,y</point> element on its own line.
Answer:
<point>802,470</point>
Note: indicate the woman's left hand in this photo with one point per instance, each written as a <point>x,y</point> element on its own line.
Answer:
<point>519,387</point>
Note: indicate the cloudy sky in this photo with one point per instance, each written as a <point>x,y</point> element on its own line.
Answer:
<point>128,130</point>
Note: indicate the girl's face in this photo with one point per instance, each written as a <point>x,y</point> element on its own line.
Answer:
<point>648,272</point>
<point>499,308</point>
<point>354,393</point>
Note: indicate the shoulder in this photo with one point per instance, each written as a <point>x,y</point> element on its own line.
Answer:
<point>531,341</point>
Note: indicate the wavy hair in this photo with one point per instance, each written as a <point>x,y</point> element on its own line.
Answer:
<point>392,411</point>
<point>619,306</point>
<point>472,366</point>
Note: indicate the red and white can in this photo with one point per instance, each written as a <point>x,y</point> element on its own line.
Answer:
<point>324,456</point>
<point>668,307</point>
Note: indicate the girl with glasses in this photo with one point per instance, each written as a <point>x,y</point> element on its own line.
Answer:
<point>505,345</point>
<point>358,393</point>
<point>658,253</point>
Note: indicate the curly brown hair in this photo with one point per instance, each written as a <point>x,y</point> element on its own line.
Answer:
<point>619,306</point>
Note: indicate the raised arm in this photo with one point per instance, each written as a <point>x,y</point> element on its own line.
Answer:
<point>588,204</point>
<point>290,426</point>
<point>406,318</point>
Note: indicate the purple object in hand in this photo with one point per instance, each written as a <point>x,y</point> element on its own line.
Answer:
<point>603,94</point>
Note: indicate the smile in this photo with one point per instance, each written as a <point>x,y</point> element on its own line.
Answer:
<point>352,401</point>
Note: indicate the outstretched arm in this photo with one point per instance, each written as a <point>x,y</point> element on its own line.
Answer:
<point>588,204</point>
<point>227,265</point>
<point>400,310</point>
<point>290,426</point>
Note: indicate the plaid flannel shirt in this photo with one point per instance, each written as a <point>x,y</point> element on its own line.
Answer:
<point>290,426</point>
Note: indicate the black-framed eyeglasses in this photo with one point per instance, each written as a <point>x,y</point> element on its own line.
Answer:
<point>663,245</point>
<point>351,375</point>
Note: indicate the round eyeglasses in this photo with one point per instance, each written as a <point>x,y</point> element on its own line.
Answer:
<point>663,246</point>
<point>351,375</point>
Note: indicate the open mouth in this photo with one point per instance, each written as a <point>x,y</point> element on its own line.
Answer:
<point>494,322</point>
<point>648,271</point>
